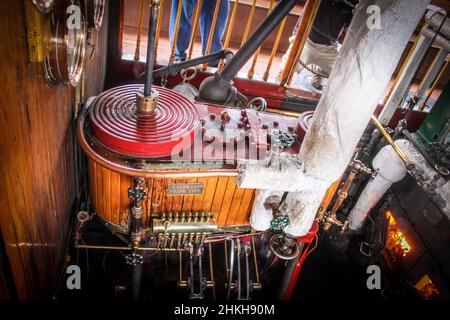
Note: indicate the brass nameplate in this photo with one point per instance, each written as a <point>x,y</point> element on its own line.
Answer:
<point>182,189</point>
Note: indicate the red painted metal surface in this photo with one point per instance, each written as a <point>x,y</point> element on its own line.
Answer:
<point>116,123</point>
<point>307,239</point>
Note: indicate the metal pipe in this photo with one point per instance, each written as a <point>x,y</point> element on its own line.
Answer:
<point>230,275</point>
<point>431,74</point>
<point>389,139</point>
<point>438,38</point>
<point>288,275</point>
<point>200,270</point>
<point>211,270</point>
<point>405,79</point>
<point>151,47</point>
<point>118,248</point>
<point>247,271</point>
<point>255,260</point>
<point>435,83</point>
<point>173,69</point>
<point>239,278</point>
<point>438,20</point>
<point>191,267</point>
<point>136,280</point>
<point>257,38</point>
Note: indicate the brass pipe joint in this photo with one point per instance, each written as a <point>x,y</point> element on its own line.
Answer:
<point>147,104</point>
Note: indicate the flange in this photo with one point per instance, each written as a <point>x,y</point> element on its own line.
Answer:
<point>116,123</point>
<point>67,47</point>
<point>304,122</point>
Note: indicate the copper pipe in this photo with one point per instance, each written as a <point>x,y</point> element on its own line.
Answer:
<point>435,83</point>
<point>137,53</point>
<point>101,247</point>
<point>211,32</point>
<point>327,199</point>
<point>251,72</point>
<point>134,172</point>
<point>389,139</point>
<point>229,30</point>
<point>158,27</point>
<point>303,30</point>
<point>175,31</point>
<point>194,27</point>
<point>249,23</point>
<point>343,192</point>
<point>274,49</point>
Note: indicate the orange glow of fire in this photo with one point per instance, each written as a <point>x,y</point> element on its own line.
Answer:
<point>396,238</point>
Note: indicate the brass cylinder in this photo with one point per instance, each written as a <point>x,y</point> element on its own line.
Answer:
<point>147,104</point>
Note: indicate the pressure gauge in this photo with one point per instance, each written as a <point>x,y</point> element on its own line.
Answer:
<point>95,11</point>
<point>67,45</point>
<point>44,6</point>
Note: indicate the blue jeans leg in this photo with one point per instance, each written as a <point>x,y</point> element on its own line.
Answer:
<point>185,29</point>
<point>206,17</point>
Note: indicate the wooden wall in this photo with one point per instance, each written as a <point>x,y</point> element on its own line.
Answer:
<point>37,180</point>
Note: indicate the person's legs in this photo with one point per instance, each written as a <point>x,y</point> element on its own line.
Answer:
<point>185,29</point>
<point>320,58</point>
<point>206,18</point>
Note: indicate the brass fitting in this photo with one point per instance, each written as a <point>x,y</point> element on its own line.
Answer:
<point>147,104</point>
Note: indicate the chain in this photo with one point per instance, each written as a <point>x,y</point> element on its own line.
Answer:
<point>304,65</point>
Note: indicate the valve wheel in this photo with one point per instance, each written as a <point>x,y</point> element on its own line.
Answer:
<point>284,247</point>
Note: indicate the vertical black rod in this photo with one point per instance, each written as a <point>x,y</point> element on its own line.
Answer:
<point>257,38</point>
<point>151,47</point>
<point>239,280</point>
<point>136,280</point>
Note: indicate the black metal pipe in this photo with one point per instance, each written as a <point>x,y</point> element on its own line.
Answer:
<point>200,271</point>
<point>151,47</point>
<point>173,69</point>
<point>239,278</point>
<point>136,279</point>
<point>230,275</point>
<point>257,38</point>
<point>247,272</point>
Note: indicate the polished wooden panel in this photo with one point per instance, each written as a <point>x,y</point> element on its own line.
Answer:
<point>37,167</point>
<point>221,195</point>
